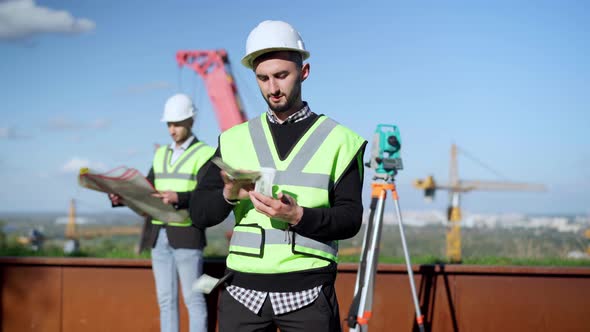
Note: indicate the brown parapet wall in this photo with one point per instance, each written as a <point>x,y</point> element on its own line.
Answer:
<point>94,294</point>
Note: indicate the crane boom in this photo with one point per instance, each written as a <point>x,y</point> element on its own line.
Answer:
<point>456,187</point>
<point>493,185</point>
<point>465,186</point>
<point>214,67</point>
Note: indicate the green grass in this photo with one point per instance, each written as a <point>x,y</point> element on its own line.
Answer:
<point>116,247</point>
<point>19,251</point>
<point>394,260</point>
<point>109,250</point>
<point>547,261</point>
<point>485,260</point>
<point>500,247</point>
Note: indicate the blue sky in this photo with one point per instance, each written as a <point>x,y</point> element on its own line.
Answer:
<point>84,83</point>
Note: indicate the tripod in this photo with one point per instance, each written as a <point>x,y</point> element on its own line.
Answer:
<point>361,308</point>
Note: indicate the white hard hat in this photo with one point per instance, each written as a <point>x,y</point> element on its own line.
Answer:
<point>270,36</point>
<point>178,107</point>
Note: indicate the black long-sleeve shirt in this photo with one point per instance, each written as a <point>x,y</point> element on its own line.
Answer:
<point>341,220</point>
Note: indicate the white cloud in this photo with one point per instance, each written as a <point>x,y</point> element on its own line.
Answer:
<point>74,164</point>
<point>61,123</point>
<point>76,138</point>
<point>100,124</point>
<point>6,132</point>
<point>10,133</point>
<point>23,18</point>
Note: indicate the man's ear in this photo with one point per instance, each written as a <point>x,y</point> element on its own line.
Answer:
<point>305,71</point>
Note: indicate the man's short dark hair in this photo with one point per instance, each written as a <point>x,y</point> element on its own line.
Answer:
<point>294,56</point>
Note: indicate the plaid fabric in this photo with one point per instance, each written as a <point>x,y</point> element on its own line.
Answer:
<point>302,114</point>
<point>282,303</point>
<point>251,299</point>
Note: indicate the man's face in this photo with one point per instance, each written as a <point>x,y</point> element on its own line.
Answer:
<point>279,79</point>
<point>180,131</point>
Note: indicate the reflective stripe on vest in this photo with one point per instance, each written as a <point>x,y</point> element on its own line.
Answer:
<point>165,174</point>
<point>244,240</point>
<point>176,176</point>
<point>170,177</point>
<point>294,174</point>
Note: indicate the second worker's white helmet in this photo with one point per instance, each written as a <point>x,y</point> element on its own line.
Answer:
<point>270,36</point>
<point>178,108</point>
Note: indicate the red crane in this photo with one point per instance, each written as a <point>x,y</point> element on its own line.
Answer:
<point>214,67</point>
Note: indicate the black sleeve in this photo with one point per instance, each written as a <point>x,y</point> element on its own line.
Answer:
<point>183,200</point>
<point>115,205</point>
<point>207,206</point>
<point>150,177</point>
<point>343,219</point>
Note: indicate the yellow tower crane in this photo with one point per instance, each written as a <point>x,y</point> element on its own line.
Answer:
<point>73,233</point>
<point>71,225</point>
<point>456,187</point>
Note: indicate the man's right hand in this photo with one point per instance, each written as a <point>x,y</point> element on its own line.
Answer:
<point>116,200</point>
<point>236,189</point>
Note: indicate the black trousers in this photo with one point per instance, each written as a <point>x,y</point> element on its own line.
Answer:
<point>320,316</point>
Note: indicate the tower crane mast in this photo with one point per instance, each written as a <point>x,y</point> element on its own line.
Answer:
<point>456,187</point>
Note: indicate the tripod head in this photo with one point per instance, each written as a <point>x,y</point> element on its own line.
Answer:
<point>385,152</point>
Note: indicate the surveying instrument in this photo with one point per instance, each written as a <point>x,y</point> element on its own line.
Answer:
<point>386,161</point>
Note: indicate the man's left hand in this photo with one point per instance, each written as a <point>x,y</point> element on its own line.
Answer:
<point>283,208</point>
<point>168,197</point>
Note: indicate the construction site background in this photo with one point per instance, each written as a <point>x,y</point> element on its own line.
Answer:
<point>487,239</point>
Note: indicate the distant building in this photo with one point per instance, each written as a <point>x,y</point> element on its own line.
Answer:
<point>571,224</point>
<point>79,221</point>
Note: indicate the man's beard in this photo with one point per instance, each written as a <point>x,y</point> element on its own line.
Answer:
<point>287,105</point>
<point>279,108</point>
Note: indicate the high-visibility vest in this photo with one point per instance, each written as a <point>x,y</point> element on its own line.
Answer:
<point>181,175</point>
<point>317,161</point>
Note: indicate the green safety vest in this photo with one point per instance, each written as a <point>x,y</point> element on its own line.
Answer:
<point>260,244</point>
<point>181,176</point>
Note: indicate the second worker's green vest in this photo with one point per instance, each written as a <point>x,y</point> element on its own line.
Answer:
<point>181,175</point>
<point>309,173</point>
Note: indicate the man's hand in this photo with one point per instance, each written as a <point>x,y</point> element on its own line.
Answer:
<point>283,208</point>
<point>236,189</point>
<point>116,200</point>
<point>168,197</point>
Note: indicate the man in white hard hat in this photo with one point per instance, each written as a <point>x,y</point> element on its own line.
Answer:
<point>177,248</point>
<point>283,251</point>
